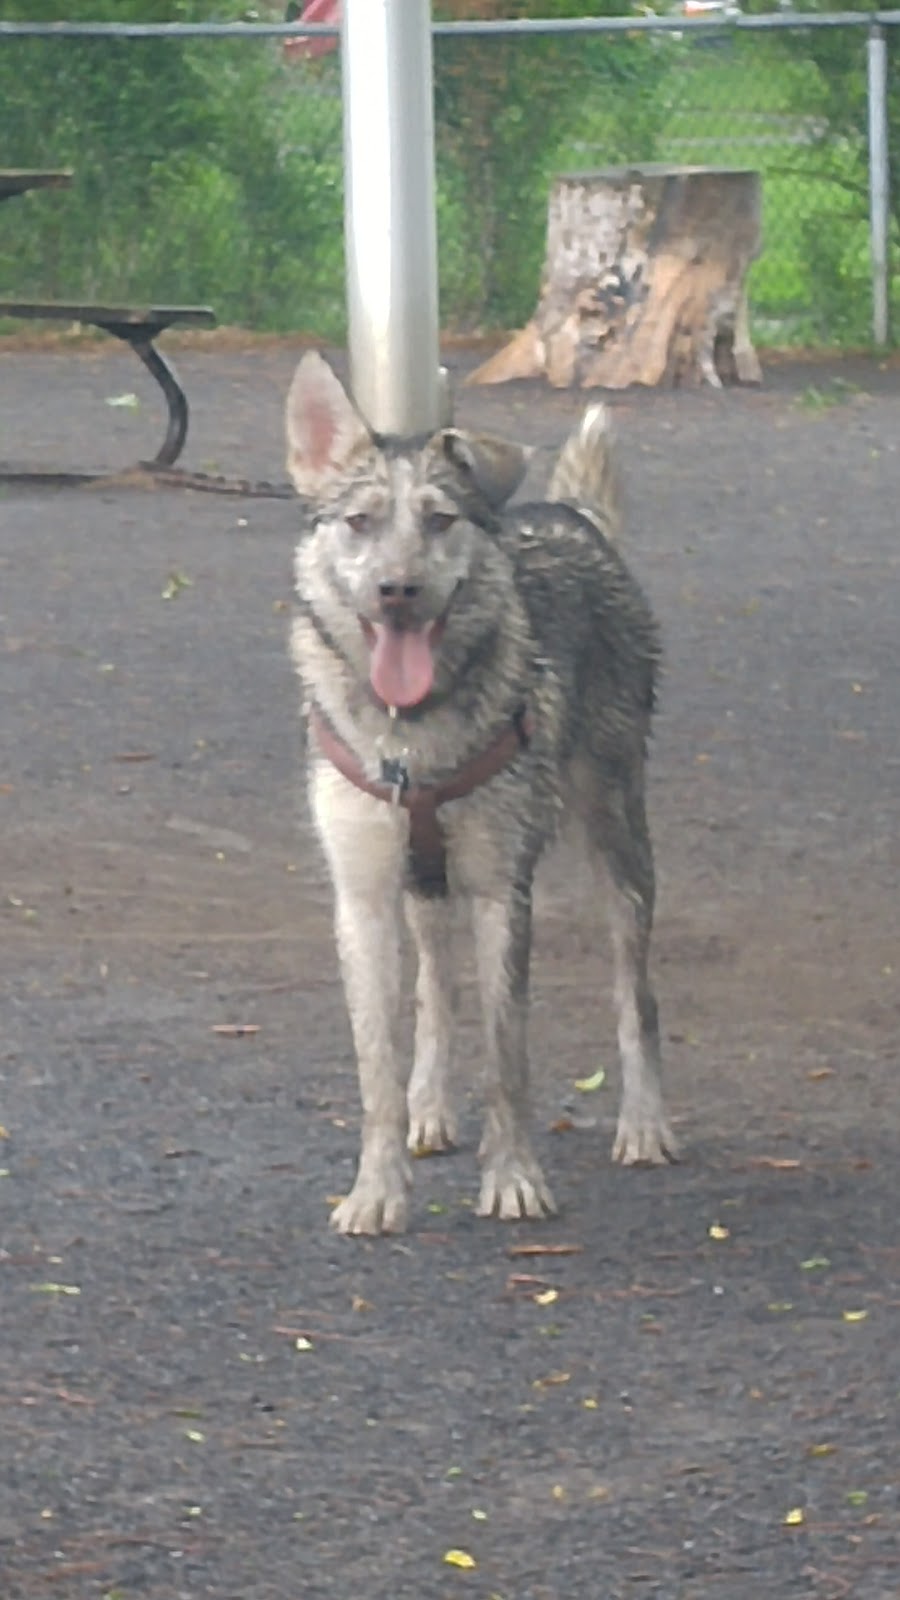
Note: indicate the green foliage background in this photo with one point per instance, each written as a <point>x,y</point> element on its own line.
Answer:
<point>210,170</point>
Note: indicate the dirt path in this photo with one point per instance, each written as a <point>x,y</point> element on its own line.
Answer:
<point>665,1411</point>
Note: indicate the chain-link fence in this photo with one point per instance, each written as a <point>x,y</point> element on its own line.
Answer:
<point>210,168</point>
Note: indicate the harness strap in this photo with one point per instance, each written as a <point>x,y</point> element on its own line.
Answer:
<point>427,840</point>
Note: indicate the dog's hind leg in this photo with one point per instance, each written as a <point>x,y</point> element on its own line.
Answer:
<point>512,1185</point>
<point>642,1134</point>
<point>432,1121</point>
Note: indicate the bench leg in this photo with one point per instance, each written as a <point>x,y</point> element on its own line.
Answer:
<point>165,375</point>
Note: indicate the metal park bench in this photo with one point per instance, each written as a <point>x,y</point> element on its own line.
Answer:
<point>139,327</point>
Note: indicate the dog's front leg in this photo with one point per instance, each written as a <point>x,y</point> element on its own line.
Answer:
<point>365,845</point>
<point>512,1184</point>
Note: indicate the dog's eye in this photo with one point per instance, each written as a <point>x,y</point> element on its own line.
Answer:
<point>360,522</point>
<point>440,521</point>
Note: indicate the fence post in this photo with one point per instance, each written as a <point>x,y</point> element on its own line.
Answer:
<point>389,215</point>
<point>879,196</point>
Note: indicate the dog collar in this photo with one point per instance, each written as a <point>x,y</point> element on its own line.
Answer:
<point>427,840</point>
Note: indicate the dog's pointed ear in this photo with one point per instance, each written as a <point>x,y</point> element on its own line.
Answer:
<point>323,426</point>
<point>495,466</point>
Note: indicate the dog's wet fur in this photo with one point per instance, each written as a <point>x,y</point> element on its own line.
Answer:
<point>430,616</point>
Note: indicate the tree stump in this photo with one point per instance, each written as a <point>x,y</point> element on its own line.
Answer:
<point>643,281</point>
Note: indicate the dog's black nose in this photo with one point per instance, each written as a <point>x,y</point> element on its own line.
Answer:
<point>395,593</point>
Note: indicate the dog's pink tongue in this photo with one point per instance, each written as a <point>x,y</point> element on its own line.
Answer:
<point>401,667</point>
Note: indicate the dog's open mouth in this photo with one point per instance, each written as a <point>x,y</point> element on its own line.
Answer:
<point>402,660</point>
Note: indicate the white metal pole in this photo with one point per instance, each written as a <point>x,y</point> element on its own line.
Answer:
<point>389,216</point>
<point>879,196</point>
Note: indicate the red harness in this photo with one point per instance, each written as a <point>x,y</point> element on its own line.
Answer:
<point>427,840</point>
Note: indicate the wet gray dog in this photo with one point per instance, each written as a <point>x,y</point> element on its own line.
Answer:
<point>470,676</point>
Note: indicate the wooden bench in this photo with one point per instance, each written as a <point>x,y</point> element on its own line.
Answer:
<point>139,327</point>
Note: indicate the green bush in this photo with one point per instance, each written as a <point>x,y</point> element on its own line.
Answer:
<point>210,170</point>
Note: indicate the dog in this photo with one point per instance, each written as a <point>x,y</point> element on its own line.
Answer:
<point>471,674</point>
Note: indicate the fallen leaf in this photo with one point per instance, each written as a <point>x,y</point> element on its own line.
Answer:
<point>558,1492</point>
<point>814,1263</point>
<point>359,1304</point>
<point>235,1030</point>
<point>546,1297</point>
<point>173,586</point>
<point>479,1515</point>
<point>4,1132</point>
<point>794,1518</point>
<point>856,1497</point>
<point>303,1343</point>
<point>460,1558</point>
<point>776,1163</point>
<point>129,401</point>
<point>552,1380</point>
<point>55,1288</point>
<point>562,1125</point>
<point>590,1404</point>
<point>716,1231</point>
<point>781,1305</point>
<point>545,1249</point>
<point>823,1449</point>
<point>195,1436</point>
<point>855,1316</point>
<point>818,1073</point>
<point>595,1081</point>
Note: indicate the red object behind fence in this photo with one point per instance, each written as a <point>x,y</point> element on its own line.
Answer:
<point>308,47</point>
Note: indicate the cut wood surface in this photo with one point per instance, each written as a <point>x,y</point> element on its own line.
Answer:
<point>644,281</point>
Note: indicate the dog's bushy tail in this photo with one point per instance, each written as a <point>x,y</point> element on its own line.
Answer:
<point>586,474</point>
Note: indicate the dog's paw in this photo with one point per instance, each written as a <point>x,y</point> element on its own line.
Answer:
<point>432,1128</point>
<point>377,1203</point>
<point>644,1140</point>
<point>514,1188</point>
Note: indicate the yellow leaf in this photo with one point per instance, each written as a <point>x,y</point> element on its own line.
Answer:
<point>595,1081</point>
<point>795,1518</point>
<point>546,1297</point>
<point>716,1231</point>
<point>479,1515</point>
<point>4,1132</point>
<point>824,1449</point>
<point>558,1492</point>
<point>360,1304</point>
<point>459,1558</point>
<point>855,1316</point>
<point>590,1405</point>
<point>195,1436</point>
<point>551,1380</point>
<point>303,1343</point>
